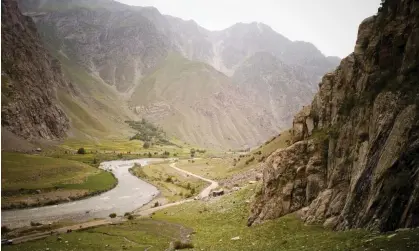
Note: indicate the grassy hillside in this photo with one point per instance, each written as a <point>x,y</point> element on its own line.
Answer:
<point>199,105</point>
<point>29,180</point>
<point>261,153</point>
<point>96,110</point>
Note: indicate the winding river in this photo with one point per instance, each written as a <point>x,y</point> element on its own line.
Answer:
<point>131,193</point>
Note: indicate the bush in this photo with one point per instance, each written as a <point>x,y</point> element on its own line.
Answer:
<point>182,245</point>
<point>146,145</point>
<point>112,215</point>
<point>129,216</point>
<point>150,155</point>
<point>94,161</point>
<point>81,151</point>
<point>156,204</point>
<point>5,229</point>
<point>35,224</point>
<point>119,155</point>
<point>169,179</point>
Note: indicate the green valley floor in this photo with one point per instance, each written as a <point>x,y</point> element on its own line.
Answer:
<point>220,224</point>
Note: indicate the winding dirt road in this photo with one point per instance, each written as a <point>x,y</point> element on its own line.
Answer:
<point>202,195</point>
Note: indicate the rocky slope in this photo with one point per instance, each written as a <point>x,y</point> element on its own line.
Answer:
<point>281,89</point>
<point>355,159</point>
<point>30,78</point>
<point>199,104</point>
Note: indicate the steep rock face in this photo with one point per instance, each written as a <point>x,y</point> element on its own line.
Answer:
<point>280,88</point>
<point>29,80</point>
<point>120,46</point>
<point>355,161</point>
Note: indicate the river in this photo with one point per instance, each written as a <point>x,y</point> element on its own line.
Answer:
<point>131,193</point>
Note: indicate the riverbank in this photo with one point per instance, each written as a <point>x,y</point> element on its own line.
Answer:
<point>130,193</point>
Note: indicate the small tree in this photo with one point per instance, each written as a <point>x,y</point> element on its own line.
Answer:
<point>146,145</point>
<point>81,151</point>
<point>112,215</point>
<point>150,155</point>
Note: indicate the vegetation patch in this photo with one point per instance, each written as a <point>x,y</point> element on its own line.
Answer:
<point>25,176</point>
<point>149,133</point>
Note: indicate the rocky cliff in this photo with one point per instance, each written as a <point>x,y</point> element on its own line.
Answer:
<point>355,158</point>
<point>29,80</point>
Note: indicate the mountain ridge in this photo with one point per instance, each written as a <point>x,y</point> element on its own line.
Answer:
<point>122,45</point>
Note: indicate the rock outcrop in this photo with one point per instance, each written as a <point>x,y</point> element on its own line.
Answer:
<point>355,158</point>
<point>29,79</point>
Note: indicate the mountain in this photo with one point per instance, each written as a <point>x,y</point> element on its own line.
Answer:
<point>30,79</point>
<point>278,87</point>
<point>200,104</point>
<point>354,162</point>
<point>124,46</point>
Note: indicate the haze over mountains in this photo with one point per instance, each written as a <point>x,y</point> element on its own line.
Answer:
<point>222,89</point>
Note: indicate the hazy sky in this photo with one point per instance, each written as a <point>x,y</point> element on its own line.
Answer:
<point>331,25</point>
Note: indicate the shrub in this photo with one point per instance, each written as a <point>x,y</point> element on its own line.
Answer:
<point>150,155</point>
<point>35,224</point>
<point>146,145</point>
<point>81,151</point>
<point>112,215</point>
<point>156,204</point>
<point>129,216</point>
<point>94,161</point>
<point>182,245</point>
<point>5,229</point>
<point>119,155</point>
<point>169,179</point>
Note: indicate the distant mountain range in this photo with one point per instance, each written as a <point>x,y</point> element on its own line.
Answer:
<point>219,89</point>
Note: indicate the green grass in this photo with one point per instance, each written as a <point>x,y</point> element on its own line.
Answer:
<point>278,142</point>
<point>134,235</point>
<point>217,222</point>
<point>23,175</point>
<point>37,172</point>
<point>214,224</point>
<point>173,185</point>
<point>219,168</point>
<point>99,182</point>
<point>208,168</point>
